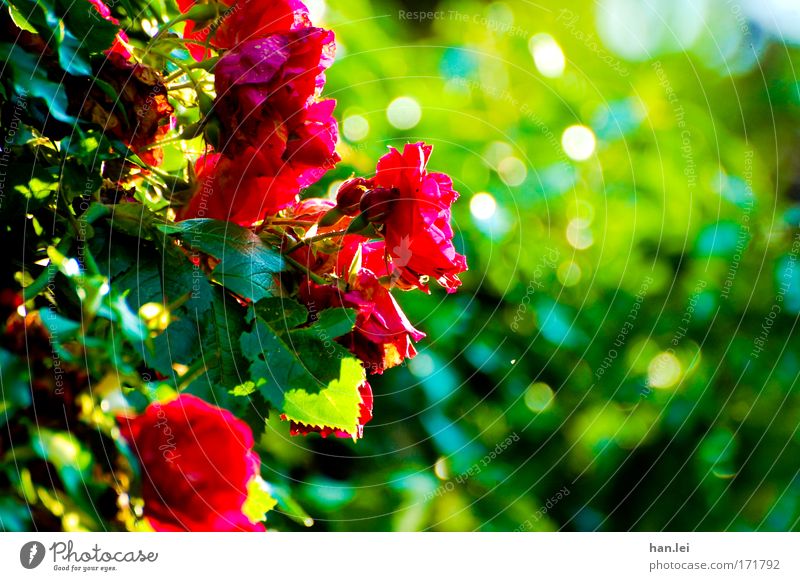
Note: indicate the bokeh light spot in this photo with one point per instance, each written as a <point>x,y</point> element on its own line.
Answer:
<point>664,370</point>
<point>578,142</point>
<point>547,55</point>
<point>579,235</point>
<point>483,206</point>
<point>355,128</point>
<point>569,273</point>
<point>422,365</point>
<point>404,113</point>
<point>512,171</point>
<point>539,397</point>
<point>441,469</point>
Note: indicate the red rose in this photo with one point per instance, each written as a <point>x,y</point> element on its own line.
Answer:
<point>285,71</point>
<point>275,138</point>
<point>417,227</point>
<point>365,391</point>
<point>242,20</point>
<point>234,189</point>
<point>197,461</point>
<point>383,335</point>
<point>266,100</point>
<point>311,143</point>
<point>373,256</point>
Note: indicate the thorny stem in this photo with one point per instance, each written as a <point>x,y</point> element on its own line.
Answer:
<point>312,275</point>
<point>316,238</point>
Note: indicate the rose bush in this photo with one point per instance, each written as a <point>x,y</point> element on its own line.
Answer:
<point>190,284</point>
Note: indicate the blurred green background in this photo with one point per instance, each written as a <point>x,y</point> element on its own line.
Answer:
<point>623,353</point>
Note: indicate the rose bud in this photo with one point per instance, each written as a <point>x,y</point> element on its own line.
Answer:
<point>349,195</point>
<point>377,202</point>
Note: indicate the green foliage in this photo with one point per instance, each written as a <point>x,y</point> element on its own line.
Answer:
<point>626,328</point>
<point>300,370</point>
<point>246,266</point>
<point>524,347</point>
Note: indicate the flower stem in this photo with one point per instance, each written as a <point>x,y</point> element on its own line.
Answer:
<point>312,275</point>
<point>316,238</point>
<point>287,222</point>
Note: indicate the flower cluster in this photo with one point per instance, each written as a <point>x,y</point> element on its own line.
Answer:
<point>126,98</point>
<point>138,112</point>
<point>269,135</point>
<point>273,135</point>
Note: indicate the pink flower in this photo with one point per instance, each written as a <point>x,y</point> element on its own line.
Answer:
<point>383,336</point>
<point>417,227</point>
<point>243,20</point>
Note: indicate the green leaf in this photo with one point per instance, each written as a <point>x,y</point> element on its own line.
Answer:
<point>246,266</point>
<point>116,309</point>
<point>34,186</point>
<point>94,32</point>
<point>222,349</point>
<point>31,79</point>
<point>280,310</point>
<point>70,56</point>
<point>20,20</point>
<point>335,322</point>
<point>72,460</point>
<point>244,389</point>
<point>336,406</point>
<point>302,371</point>
<point>76,180</point>
<point>59,327</point>
<point>16,389</point>
<point>164,277</point>
<point>132,219</point>
<point>74,26</point>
